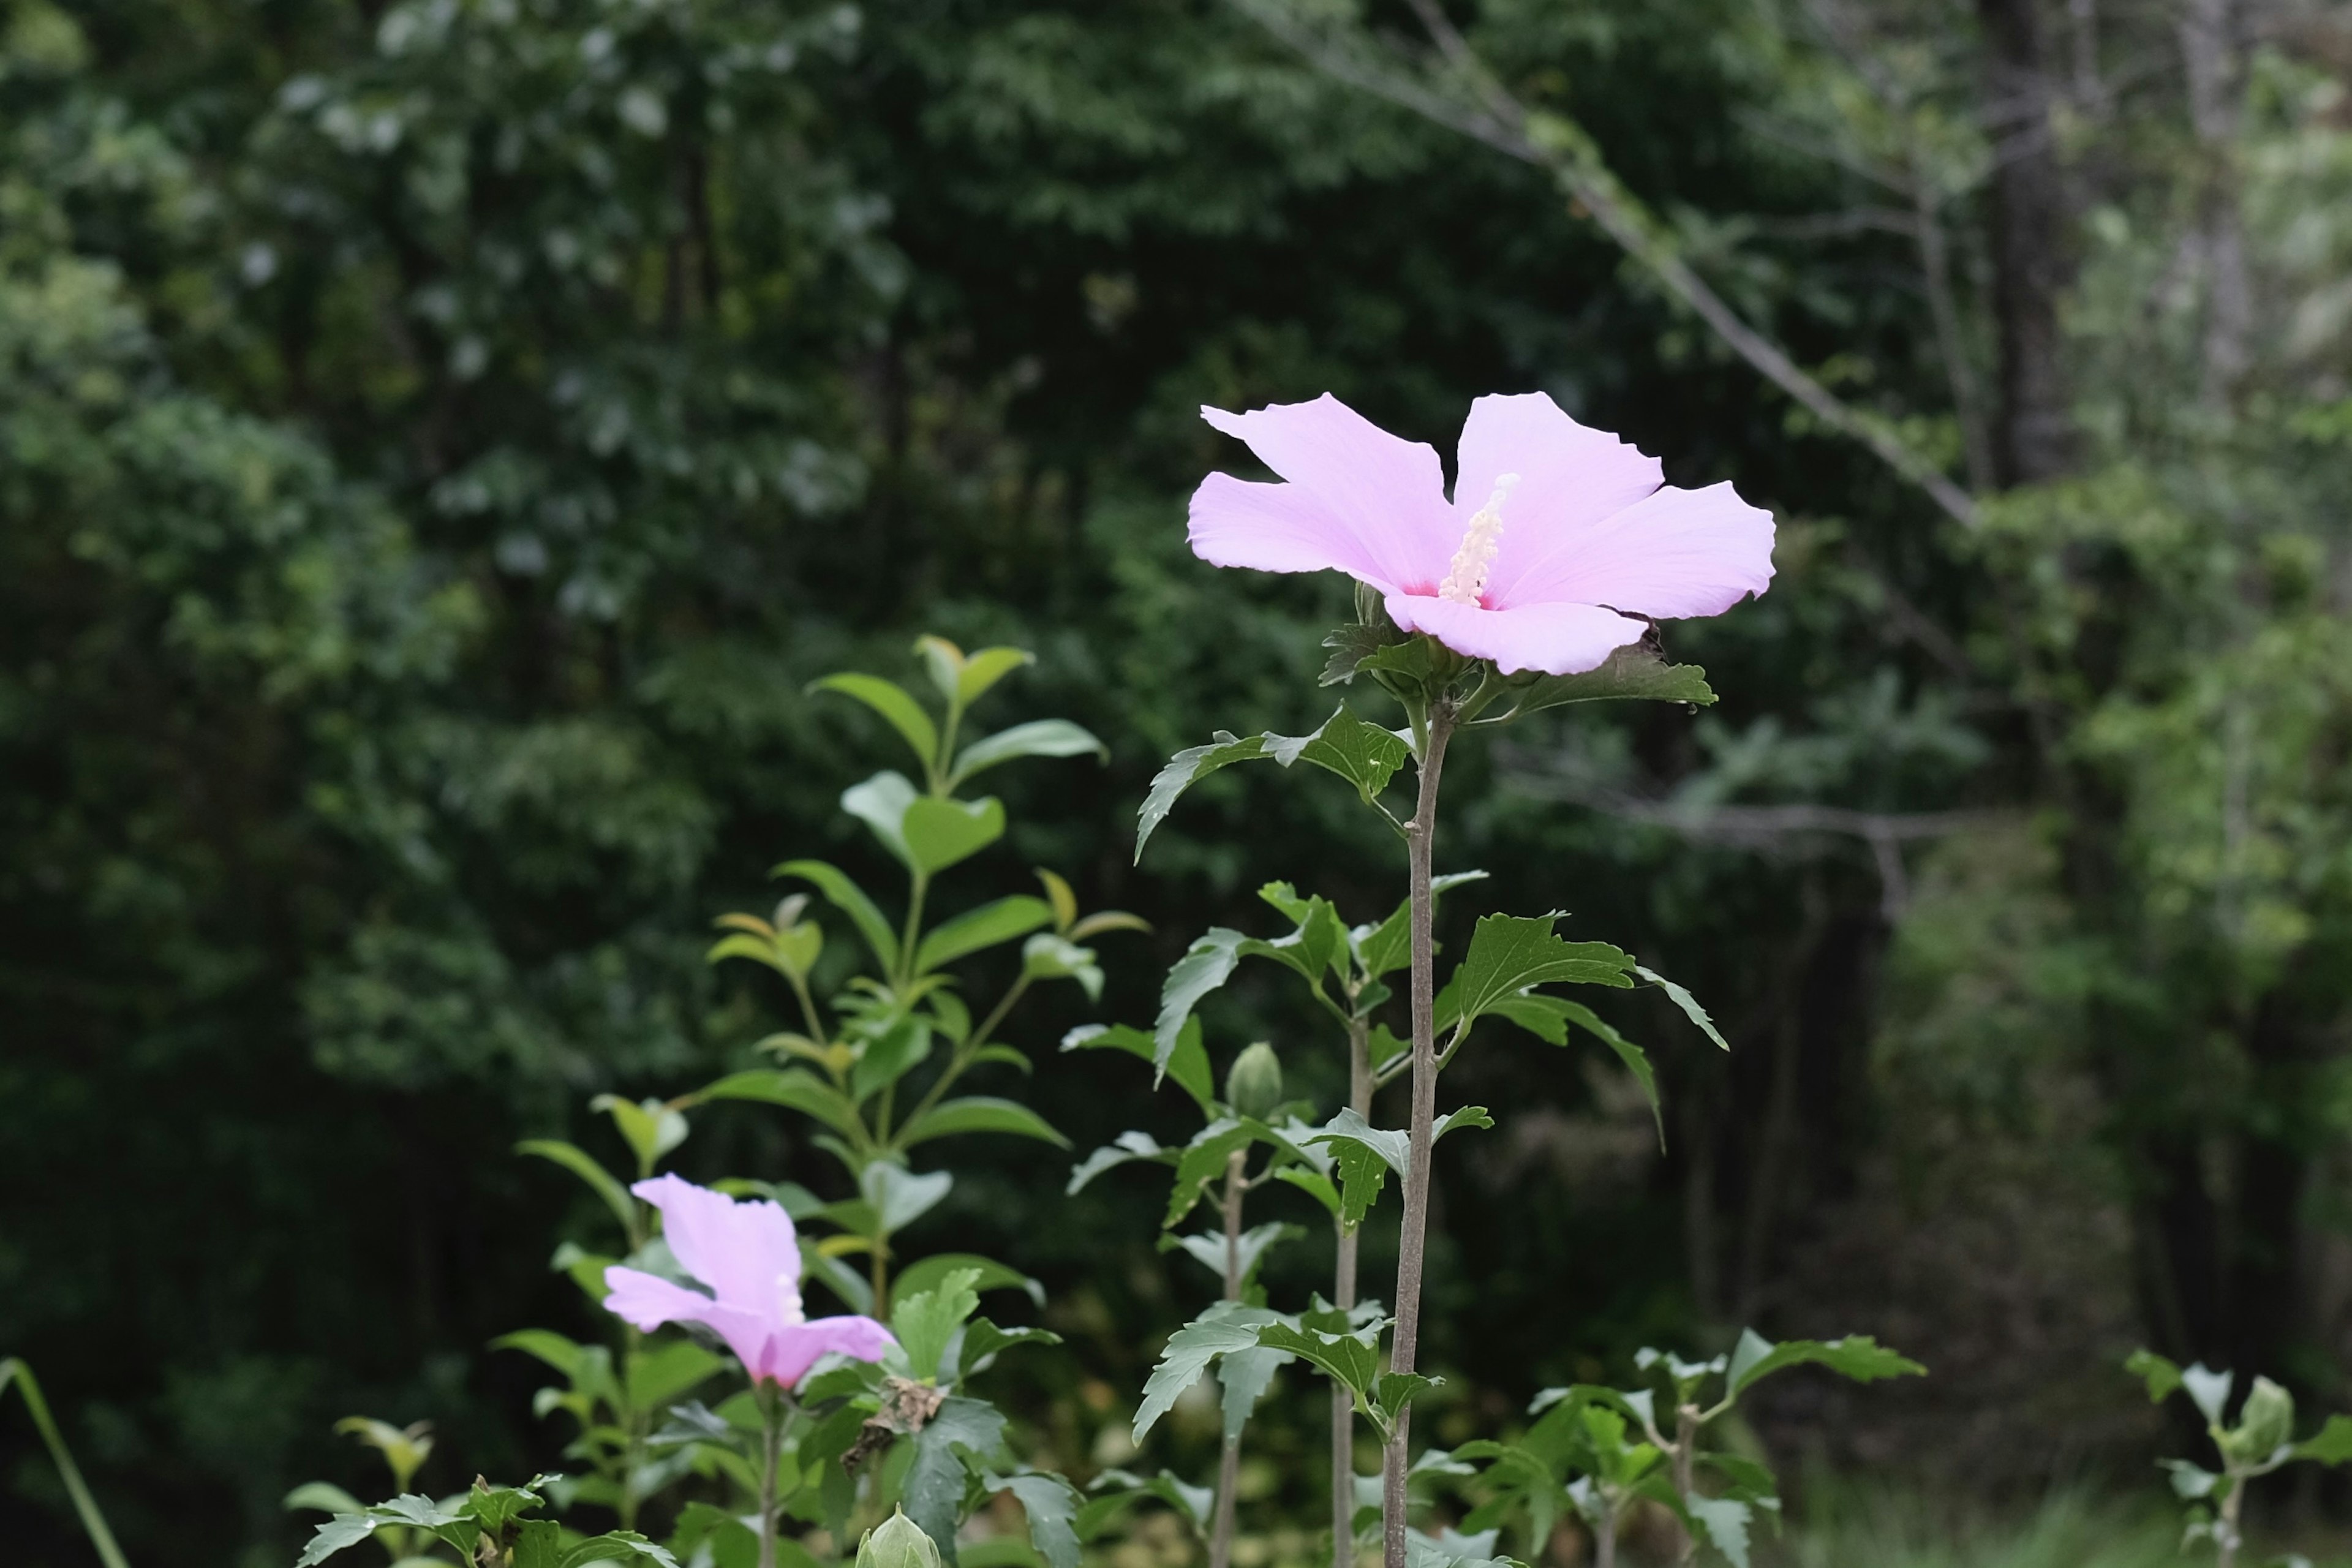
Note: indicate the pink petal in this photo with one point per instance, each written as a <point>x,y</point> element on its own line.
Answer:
<point>1273,528</point>
<point>746,1252</point>
<point>1366,499</point>
<point>791,1352</point>
<point>1558,640</point>
<point>1676,553</point>
<point>1570,477</point>
<point>646,1302</point>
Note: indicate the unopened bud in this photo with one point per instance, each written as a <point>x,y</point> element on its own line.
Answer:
<point>1253,1084</point>
<point>897,1542</point>
<point>2266,1423</point>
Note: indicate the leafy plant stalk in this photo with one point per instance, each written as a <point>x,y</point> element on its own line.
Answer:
<point>1411,1243</point>
<point>1343,1296</point>
<point>1229,1461</point>
<point>93,1524</point>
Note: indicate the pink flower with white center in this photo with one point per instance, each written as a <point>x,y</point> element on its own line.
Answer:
<point>748,1255</point>
<point>1557,538</point>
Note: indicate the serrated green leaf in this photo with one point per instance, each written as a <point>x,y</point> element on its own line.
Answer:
<point>1186,1355</point>
<point>1186,1065</point>
<point>1364,754</point>
<point>1052,1505</point>
<point>925,1321</point>
<point>1635,1059</point>
<point>1634,671</point>
<point>1856,1356</point>
<point>1039,738</point>
<point>924,1273</point>
<point>1202,1161</point>
<point>893,703</point>
<point>1510,954</point>
<point>933,1490</point>
<point>343,1530</point>
<point>1364,1155</point>
<point>1185,769</point>
<point>1126,1148</point>
<point>1688,1002</point>
<point>2162,1374</point>
<point>1724,1521</point>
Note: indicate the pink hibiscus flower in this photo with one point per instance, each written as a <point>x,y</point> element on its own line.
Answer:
<point>1558,539</point>
<point>748,1255</point>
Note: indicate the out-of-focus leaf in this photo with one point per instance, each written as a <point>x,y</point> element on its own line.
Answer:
<point>2162,1374</point>
<point>1039,738</point>
<point>850,898</point>
<point>978,1113</point>
<point>795,1090</point>
<point>990,1274</point>
<point>984,927</point>
<point>1187,1064</point>
<point>578,1161</point>
<point>1052,1505</point>
<point>941,833</point>
<point>889,699</point>
<point>1857,1356</point>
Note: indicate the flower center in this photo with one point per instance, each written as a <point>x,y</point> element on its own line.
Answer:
<point>1467,578</point>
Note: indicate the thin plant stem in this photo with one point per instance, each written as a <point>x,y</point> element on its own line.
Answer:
<point>1685,1449</point>
<point>1605,1537</point>
<point>93,1524</point>
<point>1229,1462</point>
<point>772,1448</point>
<point>1343,1296</point>
<point>1410,1243</point>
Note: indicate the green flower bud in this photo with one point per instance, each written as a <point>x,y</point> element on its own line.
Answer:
<point>897,1542</point>
<point>1254,1086</point>
<point>2266,1422</point>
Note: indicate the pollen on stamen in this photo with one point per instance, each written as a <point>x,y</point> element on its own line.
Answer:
<point>1466,579</point>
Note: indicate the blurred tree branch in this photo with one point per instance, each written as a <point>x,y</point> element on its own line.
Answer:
<point>1475,103</point>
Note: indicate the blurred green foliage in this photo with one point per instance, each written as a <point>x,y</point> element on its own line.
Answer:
<point>442,439</point>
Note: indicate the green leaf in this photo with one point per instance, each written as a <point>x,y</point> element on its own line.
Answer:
<point>887,1054</point>
<point>1185,769</point>
<point>925,1321</point>
<point>1394,1390</point>
<point>850,898</point>
<point>2331,1444</point>
<point>343,1530</point>
<point>898,1196</point>
<point>1191,1503</point>
<point>881,803</point>
<point>1039,738</point>
<point>1187,1063</point>
<point>1048,956</point>
<point>1365,1154</point>
<point>1464,1116</point>
<point>933,1490</point>
<point>1510,954</point>
<point>2161,1375</point>
<point>658,1377</point>
<point>616,1546</point>
<point>1207,1248</point>
<point>1202,1161</point>
<point>795,1089</point>
<point>578,1161</point>
<point>1125,1150</point>
<point>941,833</point>
<point>1635,1059</point>
<point>650,1128</point>
<point>978,1113</point>
<point>983,1340</point>
<point>2210,1390</point>
<point>1688,1002</point>
<point>984,927</point>
<point>1635,670</point>
<point>1052,1505</point>
<point>982,669</point>
<point>1187,1354</point>
<point>1352,1359</point>
<point>1364,754</point>
<point>1857,1356</point>
<point>926,1273</point>
<point>1725,1521</point>
<point>889,699</point>
<point>1387,947</point>
<point>324,1496</point>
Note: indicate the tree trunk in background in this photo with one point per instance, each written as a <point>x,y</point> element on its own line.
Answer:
<point>2034,431</point>
<point>2209,64</point>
